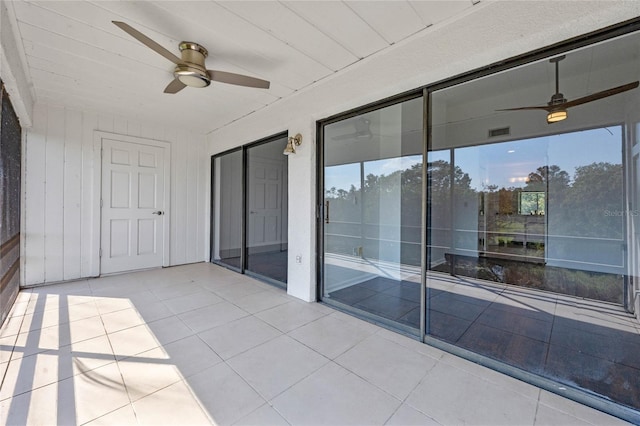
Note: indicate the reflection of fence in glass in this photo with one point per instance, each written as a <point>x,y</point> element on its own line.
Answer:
<point>390,243</point>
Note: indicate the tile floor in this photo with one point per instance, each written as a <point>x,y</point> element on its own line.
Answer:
<point>198,344</point>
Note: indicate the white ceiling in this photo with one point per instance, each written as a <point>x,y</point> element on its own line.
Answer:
<point>74,56</point>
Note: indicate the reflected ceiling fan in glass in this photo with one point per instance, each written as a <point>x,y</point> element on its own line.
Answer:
<point>190,68</point>
<point>362,127</point>
<point>558,105</point>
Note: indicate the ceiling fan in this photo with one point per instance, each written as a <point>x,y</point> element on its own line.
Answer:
<point>190,69</point>
<point>557,107</point>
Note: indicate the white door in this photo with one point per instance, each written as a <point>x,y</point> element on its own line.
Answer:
<point>133,206</point>
<point>265,206</point>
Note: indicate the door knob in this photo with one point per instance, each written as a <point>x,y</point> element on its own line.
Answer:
<point>159,213</point>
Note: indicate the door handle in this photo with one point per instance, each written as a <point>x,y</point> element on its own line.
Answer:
<point>159,213</point>
<point>326,212</point>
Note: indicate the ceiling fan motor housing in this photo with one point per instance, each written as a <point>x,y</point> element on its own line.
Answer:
<point>557,100</point>
<point>192,71</point>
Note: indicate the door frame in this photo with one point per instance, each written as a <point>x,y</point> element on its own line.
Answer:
<point>96,237</point>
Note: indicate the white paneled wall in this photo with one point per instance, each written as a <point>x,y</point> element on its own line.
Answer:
<point>60,210</point>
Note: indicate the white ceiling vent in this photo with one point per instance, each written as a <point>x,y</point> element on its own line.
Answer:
<point>502,131</point>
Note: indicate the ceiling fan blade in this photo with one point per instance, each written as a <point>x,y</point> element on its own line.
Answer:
<point>147,42</point>
<point>237,79</point>
<point>546,108</point>
<point>345,137</point>
<point>600,95</point>
<point>174,87</point>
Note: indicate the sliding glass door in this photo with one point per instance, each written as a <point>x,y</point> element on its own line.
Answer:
<point>372,213</point>
<point>514,239</point>
<point>249,210</point>
<point>227,209</point>
<point>531,220</point>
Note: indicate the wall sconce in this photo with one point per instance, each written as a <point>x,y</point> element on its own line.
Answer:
<point>292,142</point>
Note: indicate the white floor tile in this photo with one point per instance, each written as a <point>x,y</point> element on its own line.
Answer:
<point>80,311</point>
<point>224,394</point>
<point>124,416</point>
<point>11,326</point>
<point>291,315</point>
<point>454,396</point>
<point>173,405</point>
<point>263,416</point>
<point>187,303</point>
<point>261,301</point>
<point>235,291</point>
<point>35,371</point>
<point>212,316</point>
<point>147,373</point>
<point>121,320</point>
<point>351,400</point>
<point>176,290</point>
<point>132,341</point>
<point>169,330</point>
<point>549,416</point>
<point>107,305</point>
<point>330,336</point>
<point>411,343</point>
<point>224,339</point>
<point>91,354</point>
<point>38,407</point>
<point>408,416</point>
<point>574,410</point>
<point>83,329</point>
<point>393,368</point>
<point>191,355</point>
<point>492,376</point>
<point>275,366</point>
<point>153,311</point>
<point>94,393</point>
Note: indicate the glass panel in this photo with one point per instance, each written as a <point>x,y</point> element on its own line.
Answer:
<point>533,224</point>
<point>372,207</point>
<point>267,210</point>
<point>227,211</point>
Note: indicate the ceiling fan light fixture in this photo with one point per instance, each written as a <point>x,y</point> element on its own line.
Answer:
<point>190,77</point>
<point>557,115</point>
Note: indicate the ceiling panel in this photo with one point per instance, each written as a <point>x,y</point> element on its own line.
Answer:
<point>341,23</point>
<point>76,57</point>
<point>287,26</point>
<point>436,11</point>
<point>393,20</point>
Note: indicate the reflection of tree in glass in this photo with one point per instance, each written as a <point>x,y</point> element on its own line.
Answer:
<point>439,193</point>
<point>596,189</point>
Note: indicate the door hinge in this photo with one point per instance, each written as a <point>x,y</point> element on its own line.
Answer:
<point>101,202</point>
<point>100,253</point>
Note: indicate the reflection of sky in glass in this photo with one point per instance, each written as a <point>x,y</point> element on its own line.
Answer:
<point>508,164</point>
<point>343,176</point>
